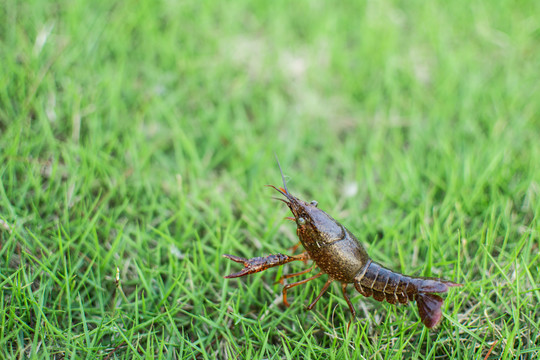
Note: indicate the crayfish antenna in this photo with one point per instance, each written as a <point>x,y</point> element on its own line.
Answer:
<point>282,176</point>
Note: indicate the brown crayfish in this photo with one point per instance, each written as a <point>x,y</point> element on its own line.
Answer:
<point>337,252</point>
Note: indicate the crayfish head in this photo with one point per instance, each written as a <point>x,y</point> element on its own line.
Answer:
<point>313,224</point>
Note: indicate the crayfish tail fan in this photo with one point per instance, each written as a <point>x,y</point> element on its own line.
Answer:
<point>429,308</point>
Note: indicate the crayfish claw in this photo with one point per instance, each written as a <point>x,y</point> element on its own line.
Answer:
<point>242,272</point>
<point>256,264</point>
<point>250,265</point>
<point>237,259</point>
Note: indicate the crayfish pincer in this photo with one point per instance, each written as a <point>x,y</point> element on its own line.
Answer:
<point>337,252</point>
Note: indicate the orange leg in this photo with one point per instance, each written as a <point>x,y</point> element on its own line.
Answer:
<point>295,247</point>
<point>288,286</point>
<point>288,276</point>
<point>328,282</point>
<point>344,289</point>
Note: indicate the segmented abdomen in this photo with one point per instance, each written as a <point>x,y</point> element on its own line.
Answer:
<point>384,284</point>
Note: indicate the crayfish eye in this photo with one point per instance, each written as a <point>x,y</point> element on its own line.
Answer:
<point>314,203</point>
<point>301,221</point>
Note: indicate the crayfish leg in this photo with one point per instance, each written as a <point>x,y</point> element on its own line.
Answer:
<point>288,286</point>
<point>295,247</point>
<point>344,289</point>
<point>328,282</point>
<point>288,276</point>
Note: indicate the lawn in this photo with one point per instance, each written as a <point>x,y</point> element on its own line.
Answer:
<point>136,138</point>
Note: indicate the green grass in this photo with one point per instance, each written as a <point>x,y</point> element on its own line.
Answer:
<point>136,137</point>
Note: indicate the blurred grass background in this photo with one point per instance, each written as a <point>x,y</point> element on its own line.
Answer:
<point>136,137</point>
